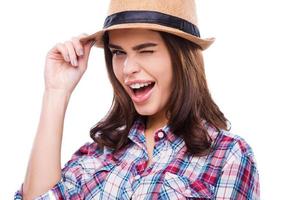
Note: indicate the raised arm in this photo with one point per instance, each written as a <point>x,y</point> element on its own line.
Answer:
<point>65,64</point>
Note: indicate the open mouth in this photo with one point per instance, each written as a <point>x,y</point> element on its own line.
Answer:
<point>143,90</point>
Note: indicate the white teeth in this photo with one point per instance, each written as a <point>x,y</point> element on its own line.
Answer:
<point>139,85</point>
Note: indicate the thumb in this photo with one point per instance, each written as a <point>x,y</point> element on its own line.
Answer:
<point>83,60</point>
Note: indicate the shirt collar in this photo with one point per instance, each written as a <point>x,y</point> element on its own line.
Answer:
<point>136,135</point>
<point>136,132</point>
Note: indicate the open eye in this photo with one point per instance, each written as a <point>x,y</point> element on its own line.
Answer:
<point>118,52</point>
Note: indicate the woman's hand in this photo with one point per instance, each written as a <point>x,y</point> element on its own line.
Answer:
<point>65,64</point>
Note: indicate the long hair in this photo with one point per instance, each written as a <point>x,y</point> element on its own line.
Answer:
<point>188,106</point>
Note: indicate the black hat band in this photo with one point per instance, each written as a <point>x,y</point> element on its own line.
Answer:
<point>151,17</point>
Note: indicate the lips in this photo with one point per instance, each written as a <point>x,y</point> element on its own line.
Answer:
<point>141,94</point>
<point>143,90</point>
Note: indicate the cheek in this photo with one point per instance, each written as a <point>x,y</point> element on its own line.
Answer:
<point>160,68</point>
<point>166,74</point>
<point>118,64</point>
<point>167,83</point>
<point>119,76</point>
<point>117,71</point>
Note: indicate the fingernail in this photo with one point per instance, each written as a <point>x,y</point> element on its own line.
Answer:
<point>75,62</point>
<point>80,52</point>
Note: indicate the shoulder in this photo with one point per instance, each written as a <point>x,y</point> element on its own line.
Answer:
<point>88,149</point>
<point>234,159</point>
<point>86,161</point>
<point>84,157</point>
<point>231,147</point>
<point>228,140</point>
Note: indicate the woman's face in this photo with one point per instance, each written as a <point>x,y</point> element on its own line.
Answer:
<point>142,64</point>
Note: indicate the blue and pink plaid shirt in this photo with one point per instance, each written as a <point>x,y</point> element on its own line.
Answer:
<point>228,172</point>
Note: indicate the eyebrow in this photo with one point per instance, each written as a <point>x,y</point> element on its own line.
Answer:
<point>135,48</point>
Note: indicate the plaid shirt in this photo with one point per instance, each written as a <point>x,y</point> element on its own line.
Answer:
<point>228,172</point>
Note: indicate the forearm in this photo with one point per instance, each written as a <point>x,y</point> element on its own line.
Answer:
<point>44,167</point>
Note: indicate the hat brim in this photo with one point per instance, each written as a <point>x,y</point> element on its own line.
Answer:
<point>97,37</point>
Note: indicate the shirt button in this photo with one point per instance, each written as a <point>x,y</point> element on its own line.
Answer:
<point>160,134</point>
<point>137,177</point>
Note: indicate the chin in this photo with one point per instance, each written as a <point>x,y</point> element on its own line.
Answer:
<point>144,111</point>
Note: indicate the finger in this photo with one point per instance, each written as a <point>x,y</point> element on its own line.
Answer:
<point>72,53</point>
<point>83,39</point>
<point>63,51</point>
<point>78,46</point>
<point>83,44</point>
<point>87,47</point>
<point>84,59</point>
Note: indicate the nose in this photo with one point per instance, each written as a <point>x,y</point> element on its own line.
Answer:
<point>131,65</point>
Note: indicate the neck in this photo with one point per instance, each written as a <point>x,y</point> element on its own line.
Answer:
<point>157,121</point>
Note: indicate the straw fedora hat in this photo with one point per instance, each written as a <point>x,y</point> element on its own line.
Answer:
<point>177,17</point>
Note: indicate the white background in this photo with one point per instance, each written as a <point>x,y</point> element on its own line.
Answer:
<point>252,72</point>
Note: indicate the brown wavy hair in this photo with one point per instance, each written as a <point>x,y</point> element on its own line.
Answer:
<point>189,104</point>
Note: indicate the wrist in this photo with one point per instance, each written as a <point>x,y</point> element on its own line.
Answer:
<point>59,96</point>
<point>57,93</point>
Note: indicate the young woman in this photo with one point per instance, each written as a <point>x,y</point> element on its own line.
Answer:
<point>163,138</point>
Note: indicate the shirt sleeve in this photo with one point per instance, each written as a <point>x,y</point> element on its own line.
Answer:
<point>239,179</point>
<point>69,187</point>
